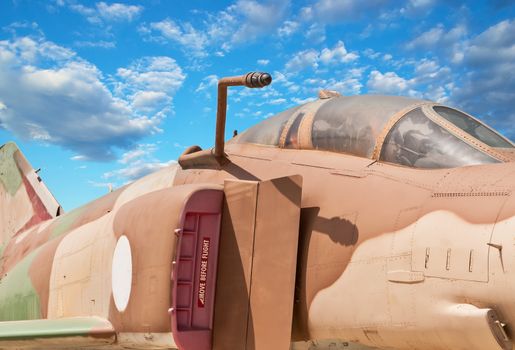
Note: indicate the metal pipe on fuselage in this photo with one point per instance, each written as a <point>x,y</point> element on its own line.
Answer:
<point>250,80</point>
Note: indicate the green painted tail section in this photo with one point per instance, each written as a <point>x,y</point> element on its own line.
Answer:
<point>10,175</point>
<point>24,199</point>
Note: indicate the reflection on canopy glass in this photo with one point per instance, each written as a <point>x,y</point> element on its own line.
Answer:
<point>416,141</point>
<point>268,131</point>
<point>472,127</point>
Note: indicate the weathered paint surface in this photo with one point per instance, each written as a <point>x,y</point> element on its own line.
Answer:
<point>25,201</point>
<point>63,224</point>
<point>65,327</point>
<point>19,299</point>
<point>9,172</point>
<point>388,256</point>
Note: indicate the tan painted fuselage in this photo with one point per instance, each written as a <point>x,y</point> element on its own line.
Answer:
<point>389,256</point>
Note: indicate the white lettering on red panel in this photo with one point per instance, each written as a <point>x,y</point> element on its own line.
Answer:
<point>204,258</point>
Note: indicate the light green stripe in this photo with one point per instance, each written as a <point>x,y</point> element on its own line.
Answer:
<point>64,327</point>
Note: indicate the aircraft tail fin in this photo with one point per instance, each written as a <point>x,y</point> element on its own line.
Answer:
<point>24,199</point>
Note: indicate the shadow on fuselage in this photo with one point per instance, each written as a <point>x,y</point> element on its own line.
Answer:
<point>340,231</point>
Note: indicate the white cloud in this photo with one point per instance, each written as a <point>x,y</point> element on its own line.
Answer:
<point>302,60</point>
<point>338,54</point>
<point>306,13</point>
<point>489,87</point>
<point>428,38</point>
<point>117,12</point>
<point>258,18</point>
<point>431,80</point>
<point>105,13</point>
<point>15,27</point>
<point>387,83</point>
<point>316,33</point>
<point>288,28</point>
<point>51,95</point>
<point>311,58</point>
<point>277,101</point>
<point>131,155</point>
<point>137,163</point>
<point>495,45</point>
<point>100,44</point>
<point>346,83</point>
<point>88,12</point>
<point>426,66</point>
<point>143,150</point>
<point>414,7</point>
<point>370,53</point>
<point>347,86</point>
<point>192,40</point>
<point>300,101</point>
<point>147,101</point>
<point>263,62</point>
<point>37,132</point>
<point>367,31</point>
<point>438,38</point>
<point>161,74</point>
<point>207,85</point>
<point>219,27</point>
<point>428,79</point>
<point>149,84</point>
<point>238,24</point>
<point>27,50</point>
<point>137,170</point>
<point>345,10</point>
<point>108,185</point>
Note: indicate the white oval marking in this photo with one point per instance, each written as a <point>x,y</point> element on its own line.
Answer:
<point>121,280</point>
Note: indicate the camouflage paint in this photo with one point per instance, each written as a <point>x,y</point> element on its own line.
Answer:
<point>18,298</point>
<point>67,327</point>
<point>40,211</point>
<point>64,223</point>
<point>363,221</point>
<point>9,174</point>
<point>26,200</point>
<point>39,271</point>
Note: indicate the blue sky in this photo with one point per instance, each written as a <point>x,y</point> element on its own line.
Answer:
<point>99,93</point>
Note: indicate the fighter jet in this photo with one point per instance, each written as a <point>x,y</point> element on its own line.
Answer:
<point>376,221</point>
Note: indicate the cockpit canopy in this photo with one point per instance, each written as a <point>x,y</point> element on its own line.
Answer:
<point>399,130</point>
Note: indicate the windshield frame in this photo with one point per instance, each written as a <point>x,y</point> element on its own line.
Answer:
<point>498,134</point>
<point>430,113</point>
<point>462,134</point>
